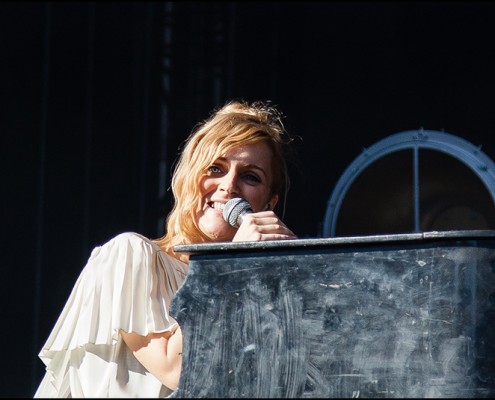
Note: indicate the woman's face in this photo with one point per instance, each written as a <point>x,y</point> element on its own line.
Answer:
<point>245,172</point>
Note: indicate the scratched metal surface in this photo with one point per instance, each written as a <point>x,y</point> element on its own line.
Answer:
<point>408,319</point>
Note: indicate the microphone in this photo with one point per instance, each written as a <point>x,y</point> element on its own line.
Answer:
<point>234,211</point>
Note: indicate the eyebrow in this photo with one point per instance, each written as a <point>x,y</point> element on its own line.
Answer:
<point>247,166</point>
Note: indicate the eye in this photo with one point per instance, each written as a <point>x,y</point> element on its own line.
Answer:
<point>253,178</point>
<point>214,169</point>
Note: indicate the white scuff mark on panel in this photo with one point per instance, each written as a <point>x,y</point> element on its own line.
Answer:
<point>239,270</point>
<point>249,347</point>
<point>336,285</point>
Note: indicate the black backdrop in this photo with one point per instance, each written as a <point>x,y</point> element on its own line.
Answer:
<point>96,98</point>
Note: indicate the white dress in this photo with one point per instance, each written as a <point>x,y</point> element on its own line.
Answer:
<point>127,284</point>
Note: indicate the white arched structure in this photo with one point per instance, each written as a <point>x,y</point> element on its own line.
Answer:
<point>414,181</point>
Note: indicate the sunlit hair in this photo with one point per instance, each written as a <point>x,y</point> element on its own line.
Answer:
<point>237,123</point>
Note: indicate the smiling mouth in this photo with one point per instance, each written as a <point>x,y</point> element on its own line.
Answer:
<point>215,205</point>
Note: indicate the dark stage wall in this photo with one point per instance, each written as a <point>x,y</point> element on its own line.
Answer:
<point>96,98</point>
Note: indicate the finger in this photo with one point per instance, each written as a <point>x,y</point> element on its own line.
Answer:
<point>276,232</point>
<point>277,236</point>
<point>259,219</point>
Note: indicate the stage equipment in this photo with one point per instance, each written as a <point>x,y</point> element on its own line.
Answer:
<point>401,316</point>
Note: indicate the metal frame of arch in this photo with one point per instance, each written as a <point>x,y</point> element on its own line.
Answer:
<point>459,148</point>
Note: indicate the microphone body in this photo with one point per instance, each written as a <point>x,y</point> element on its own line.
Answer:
<point>235,209</point>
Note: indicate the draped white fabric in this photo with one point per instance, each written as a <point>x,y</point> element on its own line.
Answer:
<point>127,284</point>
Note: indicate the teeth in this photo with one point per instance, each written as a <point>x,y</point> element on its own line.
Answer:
<point>218,206</point>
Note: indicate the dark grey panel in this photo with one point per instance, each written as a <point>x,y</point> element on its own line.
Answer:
<point>382,318</point>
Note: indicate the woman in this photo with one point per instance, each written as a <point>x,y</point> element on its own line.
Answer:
<point>115,337</point>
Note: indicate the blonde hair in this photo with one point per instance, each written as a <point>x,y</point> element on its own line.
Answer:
<point>237,123</point>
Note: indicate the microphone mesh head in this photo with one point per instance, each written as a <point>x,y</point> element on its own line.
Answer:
<point>234,208</point>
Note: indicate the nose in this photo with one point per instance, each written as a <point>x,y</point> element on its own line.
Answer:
<point>228,183</point>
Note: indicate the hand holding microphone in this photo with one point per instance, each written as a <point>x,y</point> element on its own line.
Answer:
<point>264,225</point>
<point>235,209</point>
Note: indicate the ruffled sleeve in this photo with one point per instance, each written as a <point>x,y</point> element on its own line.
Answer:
<point>127,284</point>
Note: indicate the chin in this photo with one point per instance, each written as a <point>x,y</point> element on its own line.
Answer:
<point>219,231</point>
<point>221,236</point>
